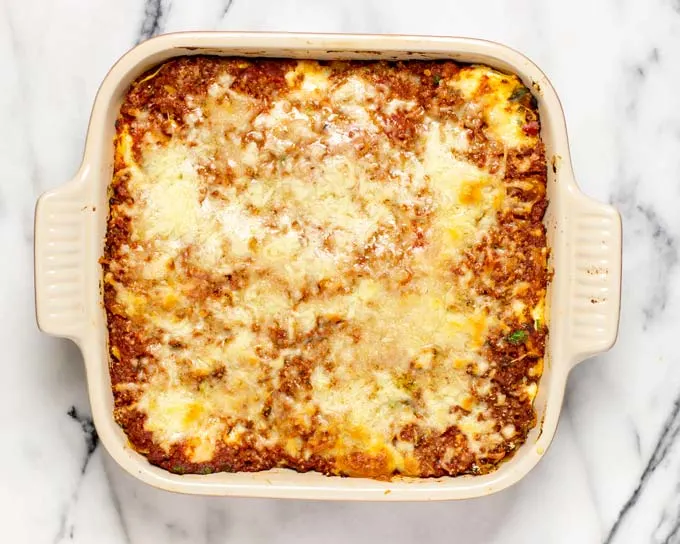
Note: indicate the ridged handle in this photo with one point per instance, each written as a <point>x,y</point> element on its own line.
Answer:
<point>60,247</point>
<point>596,242</point>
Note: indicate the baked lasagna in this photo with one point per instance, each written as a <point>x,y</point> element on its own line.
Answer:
<point>326,266</point>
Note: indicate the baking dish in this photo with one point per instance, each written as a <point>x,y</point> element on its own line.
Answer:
<point>584,237</point>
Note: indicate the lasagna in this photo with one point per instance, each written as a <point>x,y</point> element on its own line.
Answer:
<point>326,266</point>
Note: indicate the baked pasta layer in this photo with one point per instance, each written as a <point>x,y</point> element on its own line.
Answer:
<point>337,267</point>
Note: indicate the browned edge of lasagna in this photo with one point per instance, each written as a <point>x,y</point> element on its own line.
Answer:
<point>326,266</point>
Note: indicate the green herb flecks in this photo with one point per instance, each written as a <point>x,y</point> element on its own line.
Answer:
<point>518,337</point>
<point>518,94</point>
<point>436,79</point>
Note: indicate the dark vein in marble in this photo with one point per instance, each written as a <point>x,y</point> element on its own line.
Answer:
<point>152,24</point>
<point>666,249</point>
<point>636,436</point>
<point>653,58</point>
<point>62,525</point>
<point>637,78</point>
<point>664,444</point>
<point>667,530</point>
<point>655,55</point>
<point>227,7</point>
<point>672,537</point>
<point>89,432</point>
<point>91,443</point>
<point>641,217</point>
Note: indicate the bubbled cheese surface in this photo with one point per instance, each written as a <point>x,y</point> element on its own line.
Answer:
<point>299,239</point>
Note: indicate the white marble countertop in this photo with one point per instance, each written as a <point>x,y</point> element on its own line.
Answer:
<point>613,471</point>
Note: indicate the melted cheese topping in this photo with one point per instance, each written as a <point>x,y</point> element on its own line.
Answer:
<point>291,269</point>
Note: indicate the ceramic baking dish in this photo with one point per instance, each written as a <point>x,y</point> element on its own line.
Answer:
<point>584,237</point>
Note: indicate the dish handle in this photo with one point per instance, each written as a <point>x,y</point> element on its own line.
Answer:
<point>59,253</point>
<point>596,246</point>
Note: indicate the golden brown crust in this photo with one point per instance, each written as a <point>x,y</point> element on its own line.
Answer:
<point>508,265</point>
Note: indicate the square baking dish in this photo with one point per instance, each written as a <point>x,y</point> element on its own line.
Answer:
<point>584,237</point>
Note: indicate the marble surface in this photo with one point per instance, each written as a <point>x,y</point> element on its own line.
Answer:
<point>612,474</point>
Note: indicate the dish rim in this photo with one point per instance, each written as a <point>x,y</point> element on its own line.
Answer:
<point>584,238</point>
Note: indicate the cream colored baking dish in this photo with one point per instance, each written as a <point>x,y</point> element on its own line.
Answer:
<point>584,236</point>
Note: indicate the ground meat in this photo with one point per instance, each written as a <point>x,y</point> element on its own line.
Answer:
<point>507,265</point>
